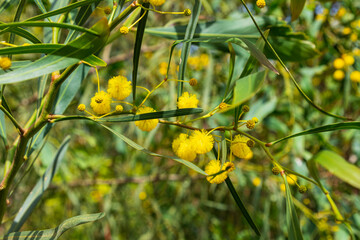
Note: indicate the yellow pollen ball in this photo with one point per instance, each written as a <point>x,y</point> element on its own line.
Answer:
<point>146,125</point>
<point>119,108</point>
<point>355,76</point>
<point>239,147</point>
<point>260,3</point>
<point>346,31</point>
<point>213,167</point>
<point>5,63</point>
<point>81,107</point>
<point>339,63</point>
<point>291,179</point>
<point>187,12</point>
<point>348,59</point>
<point>223,106</point>
<point>157,2</point>
<point>142,195</point>
<point>353,37</point>
<point>183,147</point>
<point>202,141</point>
<point>187,101</point>
<point>119,87</point>
<point>178,140</point>
<point>124,30</point>
<point>256,181</point>
<point>339,75</point>
<point>250,124</point>
<point>101,102</point>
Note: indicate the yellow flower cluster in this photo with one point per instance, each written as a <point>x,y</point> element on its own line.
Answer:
<point>199,62</point>
<point>157,2</point>
<point>217,173</point>
<point>339,64</point>
<point>119,88</point>
<point>5,63</point>
<point>187,100</point>
<point>260,3</point>
<point>187,147</point>
<point>240,148</point>
<point>146,125</point>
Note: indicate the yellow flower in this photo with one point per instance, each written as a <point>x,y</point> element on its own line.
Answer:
<point>250,124</point>
<point>213,167</point>
<point>353,37</point>
<point>119,108</point>
<point>187,101</point>
<point>5,63</point>
<point>239,147</point>
<point>119,87</point>
<point>356,52</point>
<point>256,181</point>
<point>81,107</point>
<point>341,12</point>
<point>146,125</point>
<point>100,103</point>
<point>202,141</point>
<point>260,3</point>
<point>339,75</point>
<point>142,195</point>
<point>283,187</point>
<point>346,31</point>
<point>204,59</point>
<point>157,2</point>
<point>124,30</point>
<point>249,155</point>
<point>339,63</point>
<point>291,179</point>
<point>187,12</point>
<point>355,76</point>
<point>183,147</point>
<point>193,82</point>
<point>348,59</point>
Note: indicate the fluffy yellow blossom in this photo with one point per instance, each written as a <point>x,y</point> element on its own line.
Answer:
<point>5,63</point>
<point>193,82</point>
<point>341,12</point>
<point>203,141</point>
<point>142,196</point>
<point>355,76</point>
<point>124,30</point>
<point>260,3</point>
<point>119,87</point>
<point>291,179</point>
<point>346,31</point>
<point>339,75</point>
<point>239,147</point>
<point>157,2</point>
<point>187,12</point>
<point>348,59</point>
<point>339,63</point>
<point>353,37</point>
<point>119,108</point>
<point>81,107</point>
<point>183,147</point>
<point>356,52</point>
<point>187,101</point>
<point>250,124</point>
<point>101,102</point>
<point>249,156</point>
<point>256,181</point>
<point>146,125</point>
<point>214,166</point>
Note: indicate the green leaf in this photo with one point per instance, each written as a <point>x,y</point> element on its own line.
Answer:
<point>154,115</point>
<point>241,206</point>
<point>2,127</point>
<point>21,32</point>
<point>189,34</point>
<point>68,8</point>
<point>5,4</point>
<point>37,192</point>
<point>54,233</point>
<point>290,46</point>
<point>292,220</point>
<point>325,128</point>
<point>144,150</point>
<point>245,88</point>
<point>47,24</point>
<point>70,54</point>
<point>296,7</point>
<point>137,47</point>
<point>338,166</point>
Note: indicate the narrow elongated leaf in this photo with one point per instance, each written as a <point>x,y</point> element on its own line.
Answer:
<point>296,7</point>
<point>325,128</point>
<point>144,150</point>
<point>36,193</point>
<point>21,32</point>
<point>5,4</point>
<point>189,34</point>
<point>68,55</point>
<point>241,206</point>
<point>338,166</point>
<point>154,115</point>
<point>47,24</point>
<point>137,47</point>
<point>55,12</point>
<point>2,127</point>
<point>40,5</point>
<point>69,88</point>
<point>292,220</point>
<point>54,233</point>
